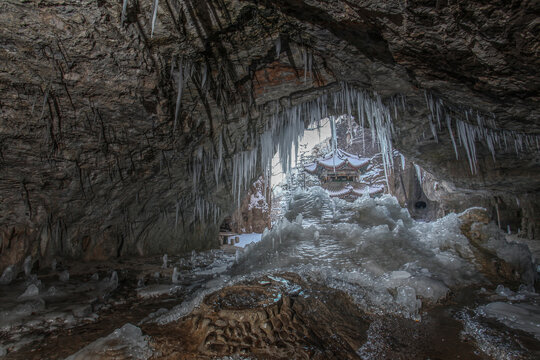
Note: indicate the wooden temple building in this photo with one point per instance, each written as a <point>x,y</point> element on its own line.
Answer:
<point>341,174</point>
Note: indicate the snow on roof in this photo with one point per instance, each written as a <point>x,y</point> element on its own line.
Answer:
<point>338,159</point>
<point>310,167</point>
<point>359,191</point>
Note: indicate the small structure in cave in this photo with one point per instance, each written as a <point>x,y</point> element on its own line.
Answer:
<point>340,173</point>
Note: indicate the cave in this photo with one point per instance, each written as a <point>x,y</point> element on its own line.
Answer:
<point>137,135</point>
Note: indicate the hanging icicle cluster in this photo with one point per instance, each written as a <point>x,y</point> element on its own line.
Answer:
<point>205,211</point>
<point>462,121</point>
<point>286,124</point>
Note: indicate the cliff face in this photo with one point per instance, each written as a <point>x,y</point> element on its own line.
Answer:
<point>100,157</point>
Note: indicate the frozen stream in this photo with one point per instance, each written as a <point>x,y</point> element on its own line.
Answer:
<point>390,265</point>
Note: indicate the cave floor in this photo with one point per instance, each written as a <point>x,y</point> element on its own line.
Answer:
<point>274,316</point>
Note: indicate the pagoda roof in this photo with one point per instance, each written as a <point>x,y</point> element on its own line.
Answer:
<point>356,189</point>
<point>337,159</point>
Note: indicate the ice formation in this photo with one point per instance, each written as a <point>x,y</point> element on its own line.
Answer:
<point>128,342</point>
<point>165,261</point>
<point>352,251</point>
<point>472,127</point>
<point>154,16</point>
<point>179,91</point>
<point>284,122</point>
<point>64,276</point>
<point>31,291</point>
<point>113,281</point>
<point>124,11</point>
<point>370,248</point>
<point>175,274</point>
<point>27,265</point>
<point>7,276</point>
<point>520,316</point>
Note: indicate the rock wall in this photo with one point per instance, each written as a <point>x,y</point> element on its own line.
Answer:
<point>253,215</point>
<point>103,154</point>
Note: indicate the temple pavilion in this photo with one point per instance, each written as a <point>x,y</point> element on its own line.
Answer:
<point>341,174</point>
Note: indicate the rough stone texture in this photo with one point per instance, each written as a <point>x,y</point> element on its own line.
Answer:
<point>253,215</point>
<point>93,163</point>
<point>267,322</point>
<point>493,267</point>
<point>249,320</point>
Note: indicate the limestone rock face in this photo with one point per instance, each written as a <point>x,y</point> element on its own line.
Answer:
<point>253,215</point>
<point>100,157</point>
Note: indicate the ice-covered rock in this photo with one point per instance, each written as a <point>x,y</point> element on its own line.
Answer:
<point>113,281</point>
<point>175,275</point>
<point>7,276</point>
<point>31,291</point>
<point>400,275</point>
<point>406,297</point>
<point>520,316</point>
<point>95,277</point>
<point>157,290</point>
<point>64,276</point>
<point>27,265</point>
<point>52,291</point>
<point>128,342</point>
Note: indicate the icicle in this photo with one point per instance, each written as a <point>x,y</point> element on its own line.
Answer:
<point>449,125</point>
<point>27,265</point>
<point>177,210</point>
<point>433,129</point>
<point>174,277</point>
<point>418,173</point>
<point>498,214</point>
<point>305,65</point>
<point>113,281</point>
<point>124,12</point>
<point>278,46</point>
<point>179,95</point>
<point>204,75</point>
<point>402,161</point>
<point>165,260</point>
<point>154,16</point>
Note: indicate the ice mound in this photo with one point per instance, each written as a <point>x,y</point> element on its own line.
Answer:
<point>514,253</point>
<point>193,300</point>
<point>31,291</point>
<point>128,342</point>
<point>157,290</point>
<point>519,316</point>
<point>64,276</point>
<point>493,342</point>
<point>370,248</point>
<point>7,276</point>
